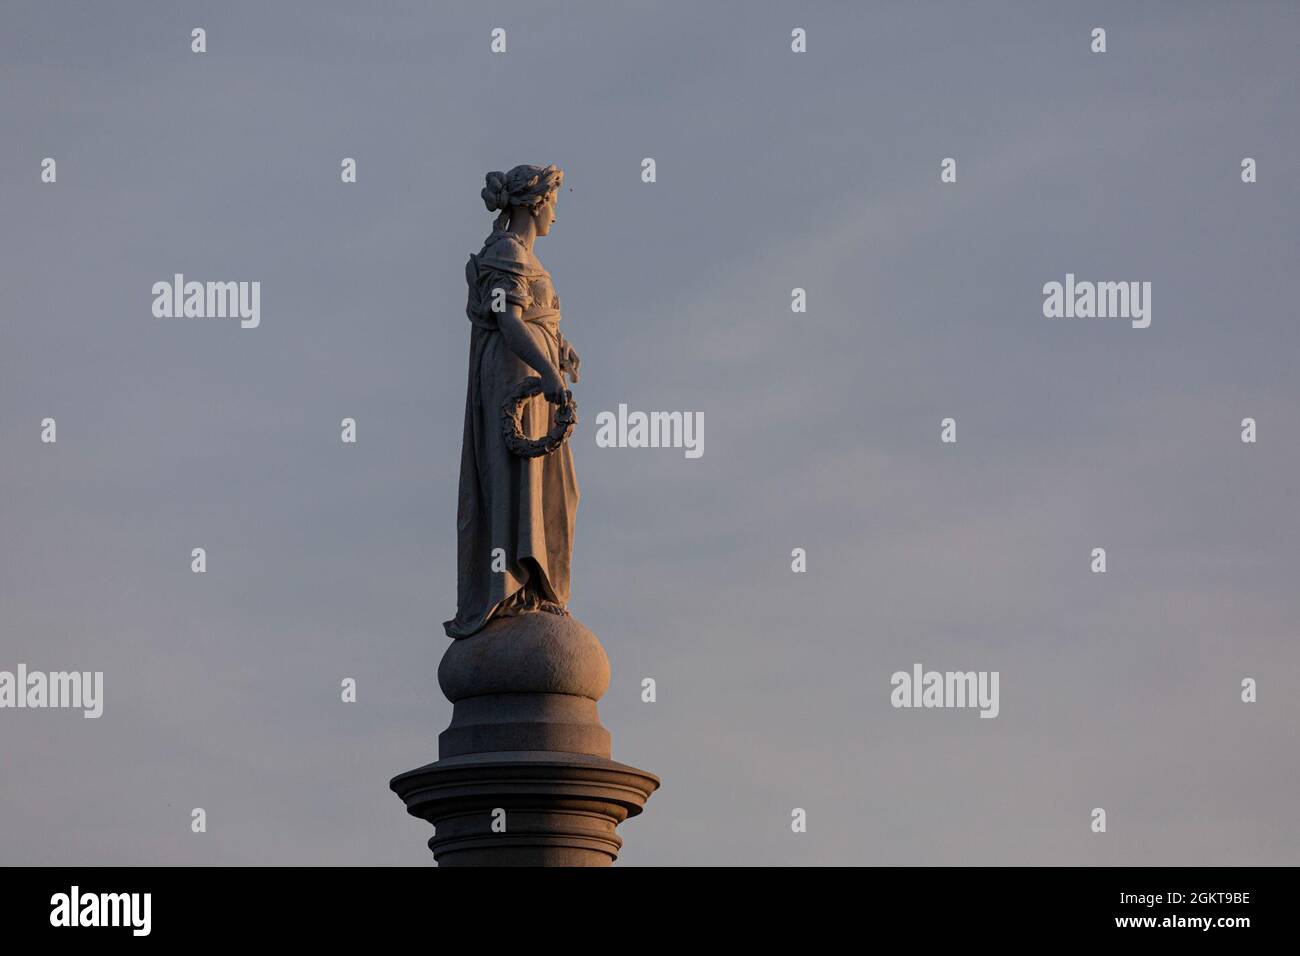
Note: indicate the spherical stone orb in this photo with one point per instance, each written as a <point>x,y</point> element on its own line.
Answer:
<point>532,653</point>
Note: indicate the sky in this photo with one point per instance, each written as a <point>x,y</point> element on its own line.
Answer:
<point>775,170</point>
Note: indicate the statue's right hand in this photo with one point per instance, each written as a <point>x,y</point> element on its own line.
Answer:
<point>553,386</point>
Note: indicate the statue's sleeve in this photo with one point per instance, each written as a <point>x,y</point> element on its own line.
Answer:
<point>502,265</point>
<point>484,277</point>
<point>513,286</point>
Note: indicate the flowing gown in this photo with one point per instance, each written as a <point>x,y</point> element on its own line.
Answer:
<point>524,506</point>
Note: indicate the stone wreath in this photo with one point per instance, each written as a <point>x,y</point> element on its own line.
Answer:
<point>566,416</point>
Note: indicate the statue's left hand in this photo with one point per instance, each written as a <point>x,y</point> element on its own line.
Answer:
<point>569,362</point>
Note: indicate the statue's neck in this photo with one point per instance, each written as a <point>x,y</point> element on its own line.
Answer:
<point>525,232</point>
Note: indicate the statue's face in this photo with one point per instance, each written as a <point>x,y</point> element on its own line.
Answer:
<point>545,214</point>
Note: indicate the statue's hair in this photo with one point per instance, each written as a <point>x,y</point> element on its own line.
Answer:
<point>525,185</point>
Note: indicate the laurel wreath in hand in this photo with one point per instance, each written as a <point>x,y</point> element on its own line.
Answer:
<point>566,416</point>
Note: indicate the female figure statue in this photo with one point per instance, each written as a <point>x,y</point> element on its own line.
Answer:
<point>523,506</point>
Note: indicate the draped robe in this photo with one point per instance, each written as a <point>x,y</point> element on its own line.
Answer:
<point>523,506</point>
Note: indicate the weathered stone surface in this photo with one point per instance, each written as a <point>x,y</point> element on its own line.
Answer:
<point>551,809</point>
<point>552,722</point>
<point>537,653</point>
<point>525,747</point>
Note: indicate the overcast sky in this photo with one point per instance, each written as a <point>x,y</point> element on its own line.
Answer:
<point>775,170</point>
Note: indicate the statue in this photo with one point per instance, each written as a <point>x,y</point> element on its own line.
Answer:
<point>518,490</point>
<point>525,775</point>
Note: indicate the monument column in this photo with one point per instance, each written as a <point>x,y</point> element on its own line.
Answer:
<point>524,775</point>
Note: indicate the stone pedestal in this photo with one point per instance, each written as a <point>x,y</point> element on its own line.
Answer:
<point>525,776</point>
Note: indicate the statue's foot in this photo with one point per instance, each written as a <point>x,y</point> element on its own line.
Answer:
<point>531,604</point>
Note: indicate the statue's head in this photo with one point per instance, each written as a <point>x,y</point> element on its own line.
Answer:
<point>524,191</point>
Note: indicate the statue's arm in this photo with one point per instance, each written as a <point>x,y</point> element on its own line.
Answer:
<point>515,333</point>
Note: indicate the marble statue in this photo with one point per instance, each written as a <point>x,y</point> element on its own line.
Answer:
<point>518,491</point>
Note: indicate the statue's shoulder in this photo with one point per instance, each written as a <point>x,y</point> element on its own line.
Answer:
<point>505,253</point>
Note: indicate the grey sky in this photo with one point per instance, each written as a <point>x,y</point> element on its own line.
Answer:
<point>775,170</point>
